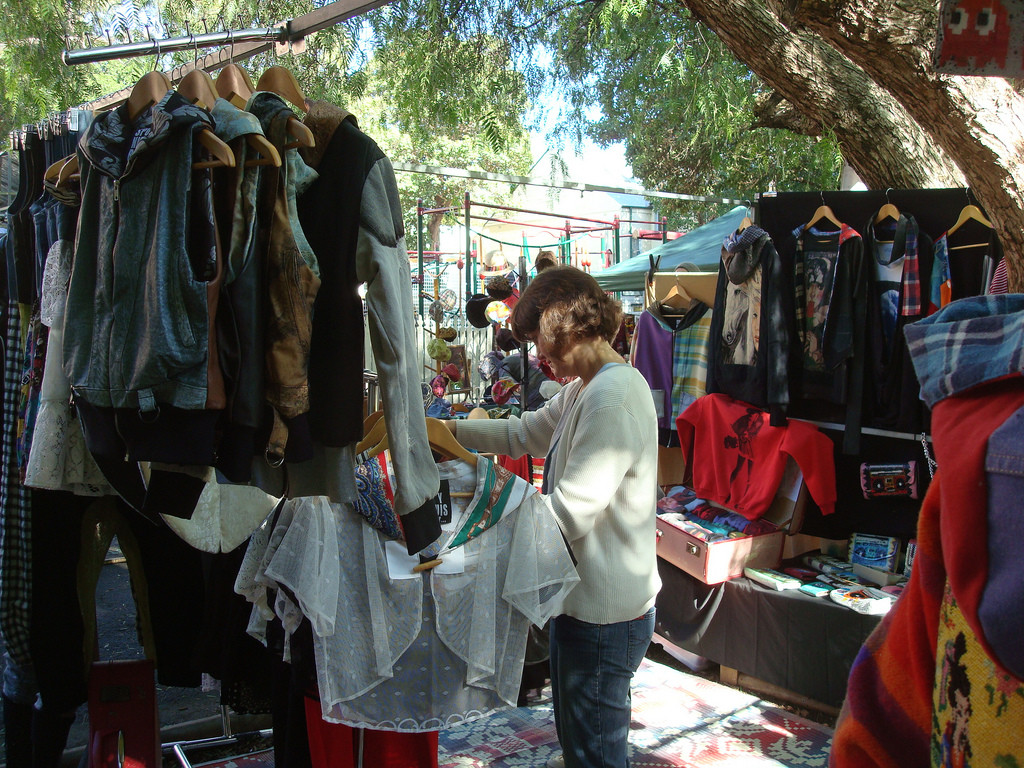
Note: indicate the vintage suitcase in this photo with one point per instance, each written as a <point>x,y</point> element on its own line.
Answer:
<point>715,562</point>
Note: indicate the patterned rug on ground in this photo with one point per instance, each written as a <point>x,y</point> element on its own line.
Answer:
<point>262,759</point>
<point>679,720</point>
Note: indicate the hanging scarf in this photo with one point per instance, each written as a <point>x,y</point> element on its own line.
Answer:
<point>905,245</point>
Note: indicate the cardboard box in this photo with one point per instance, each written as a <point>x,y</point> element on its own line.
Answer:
<point>715,562</point>
<point>877,575</point>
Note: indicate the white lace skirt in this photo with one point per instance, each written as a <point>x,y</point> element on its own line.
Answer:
<point>58,459</point>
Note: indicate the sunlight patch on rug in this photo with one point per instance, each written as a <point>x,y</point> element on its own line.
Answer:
<point>679,720</point>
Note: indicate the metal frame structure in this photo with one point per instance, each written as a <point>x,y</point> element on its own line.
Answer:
<point>568,230</point>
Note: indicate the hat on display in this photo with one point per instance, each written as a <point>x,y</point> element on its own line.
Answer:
<point>438,350</point>
<point>503,389</point>
<point>497,311</point>
<point>452,372</point>
<point>505,340</point>
<point>436,311</point>
<point>549,389</point>
<point>438,384</point>
<point>447,333</point>
<point>495,260</point>
<point>475,307</point>
<point>499,287</point>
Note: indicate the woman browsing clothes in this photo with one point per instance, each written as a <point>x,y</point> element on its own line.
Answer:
<point>599,437</point>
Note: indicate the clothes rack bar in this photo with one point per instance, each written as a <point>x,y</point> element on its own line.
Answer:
<point>155,46</point>
<point>914,436</point>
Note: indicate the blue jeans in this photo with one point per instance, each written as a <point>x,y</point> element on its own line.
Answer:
<point>592,666</point>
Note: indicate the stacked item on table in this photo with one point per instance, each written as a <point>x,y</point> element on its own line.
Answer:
<point>875,558</point>
<point>825,576</point>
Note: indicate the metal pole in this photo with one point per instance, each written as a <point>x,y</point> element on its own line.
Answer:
<point>524,353</point>
<point>168,44</point>
<point>616,243</point>
<point>664,229</point>
<point>469,249</point>
<point>473,259</point>
<point>419,248</point>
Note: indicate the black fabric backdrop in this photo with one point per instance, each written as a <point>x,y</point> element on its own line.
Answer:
<point>803,644</point>
<point>936,210</point>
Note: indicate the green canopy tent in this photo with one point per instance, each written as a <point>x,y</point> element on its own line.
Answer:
<point>702,246</point>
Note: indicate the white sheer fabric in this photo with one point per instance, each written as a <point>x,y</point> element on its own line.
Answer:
<point>443,647</point>
<point>58,459</point>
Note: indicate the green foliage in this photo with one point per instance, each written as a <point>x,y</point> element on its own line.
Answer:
<point>455,103</point>
<point>464,147</point>
<point>683,107</point>
<point>449,82</point>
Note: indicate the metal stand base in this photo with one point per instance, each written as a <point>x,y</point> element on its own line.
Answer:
<point>178,747</point>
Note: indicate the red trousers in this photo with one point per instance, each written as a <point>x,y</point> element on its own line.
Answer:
<point>335,745</point>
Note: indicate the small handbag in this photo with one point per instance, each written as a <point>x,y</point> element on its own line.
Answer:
<point>889,480</point>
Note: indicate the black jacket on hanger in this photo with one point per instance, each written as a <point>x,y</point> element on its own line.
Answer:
<point>881,369</point>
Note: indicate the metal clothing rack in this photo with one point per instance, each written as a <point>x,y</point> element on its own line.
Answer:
<point>238,45</point>
<point>233,49</point>
<point>156,46</point>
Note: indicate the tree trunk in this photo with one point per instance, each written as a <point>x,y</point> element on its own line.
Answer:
<point>773,111</point>
<point>876,134</point>
<point>977,121</point>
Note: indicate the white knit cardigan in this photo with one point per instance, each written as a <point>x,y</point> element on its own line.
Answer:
<point>602,485</point>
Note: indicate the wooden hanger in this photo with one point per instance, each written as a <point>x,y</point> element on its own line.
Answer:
<point>378,431</point>
<point>675,299</point>
<point>222,154</point>
<point>693,285</point>
<point>372,419</point>
<point>233,84</point>
<point>268,154</point>
<point>747,220</point>
<point>197,86</point>
<point>887,211</point>
<point>823,213</point>
<point>443,441</point>
<point>701,286</point>
<point>149,89</point>
<point>438,435</point>
<point>301,133</point>
<point>69,170</point>
<point>281,81</point>
<point>969,213</point>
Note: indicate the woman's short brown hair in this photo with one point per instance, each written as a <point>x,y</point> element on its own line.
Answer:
<point>565,305</point>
